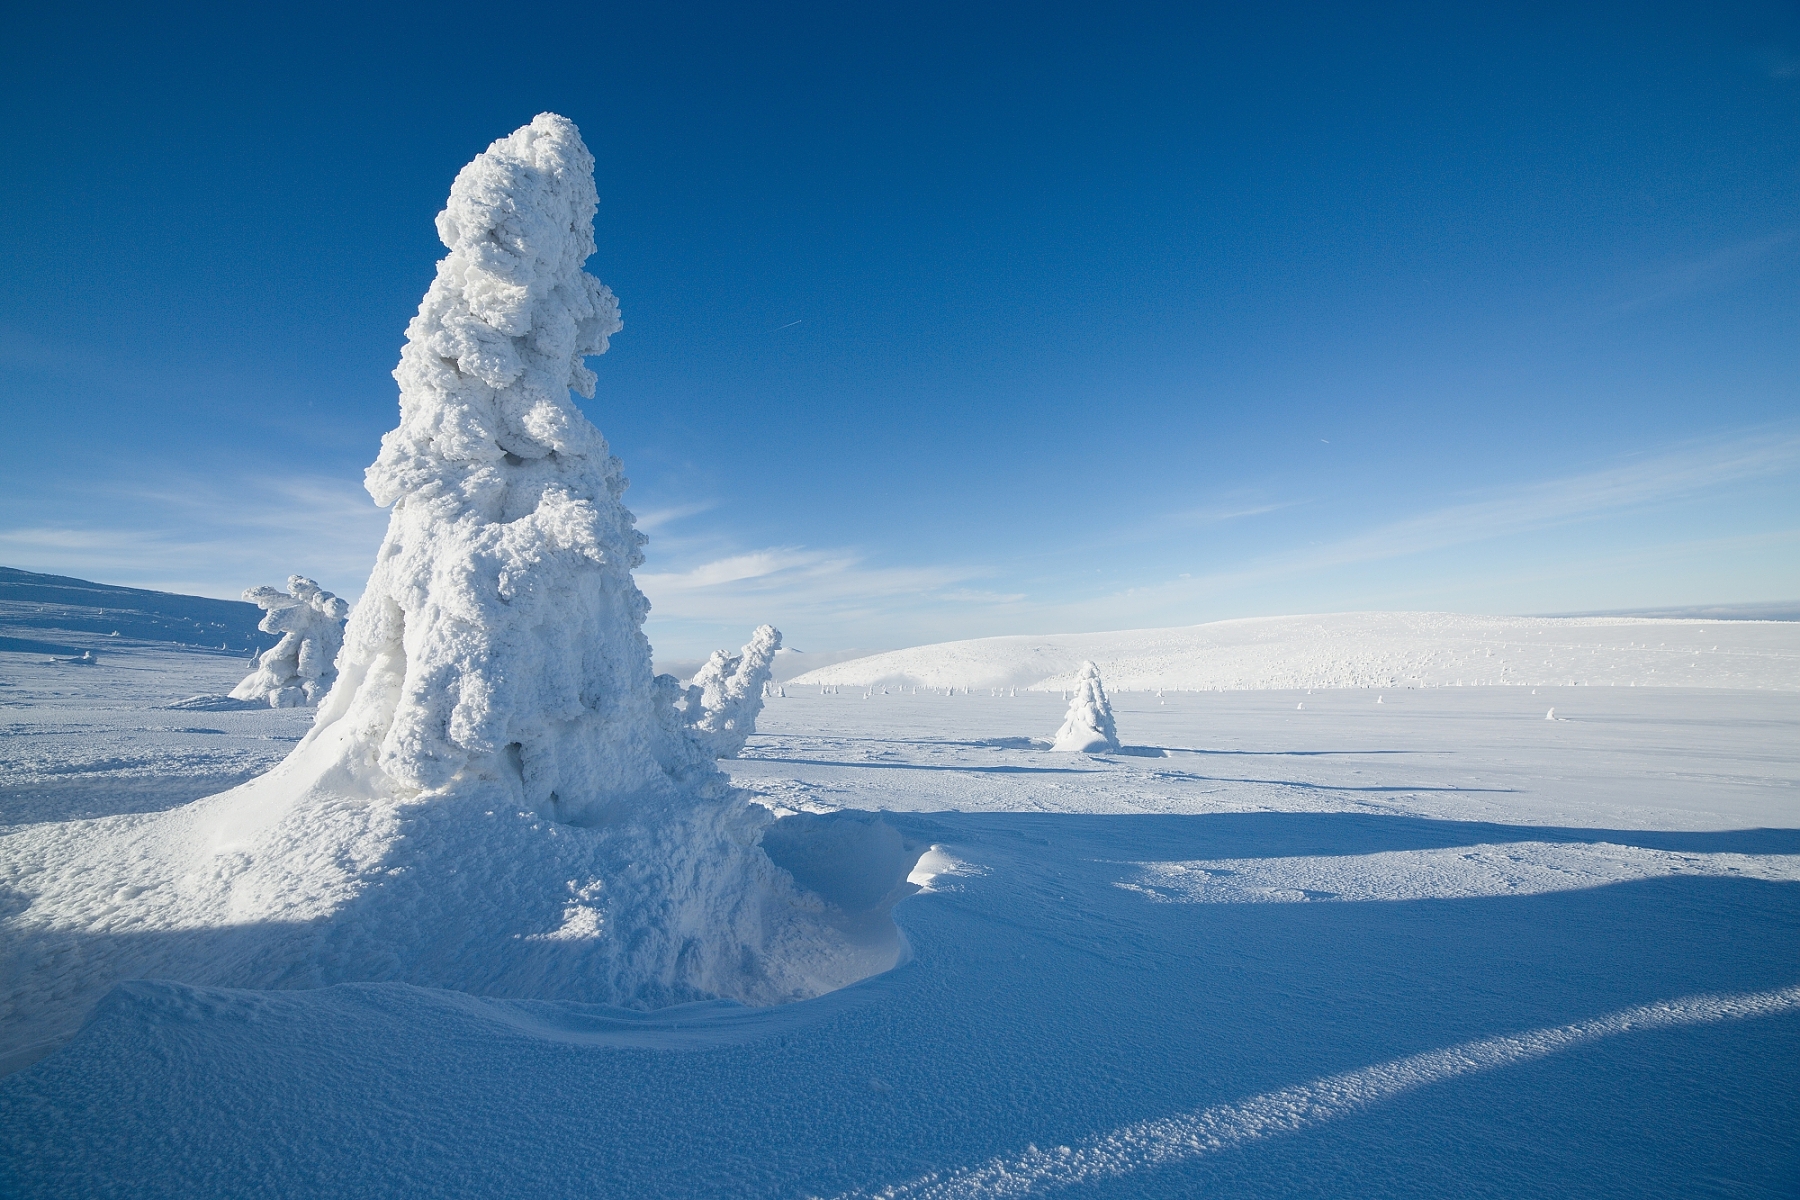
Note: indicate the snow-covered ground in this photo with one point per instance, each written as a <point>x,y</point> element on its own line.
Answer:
<point>1345,942</point>
<point>100,739</point>
<point>1358,650</point>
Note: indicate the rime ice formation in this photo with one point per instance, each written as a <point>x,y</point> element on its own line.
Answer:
<point>722,702</point>
<point>302,666</point>
<point>497,795</point>
<point>1089,726</point>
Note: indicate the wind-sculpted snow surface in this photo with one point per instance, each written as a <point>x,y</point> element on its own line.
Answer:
<point>303,665</point>
<point>727,693</point>
<point>497,795</point>
<point>1088,727</point>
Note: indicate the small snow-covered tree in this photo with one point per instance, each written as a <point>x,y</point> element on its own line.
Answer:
<point>303,665</point>
<point>1089,726</point>
<point>726,694</point>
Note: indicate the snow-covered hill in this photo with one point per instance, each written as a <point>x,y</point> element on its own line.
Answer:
<point>1351,650</point>
<point>54,614</point>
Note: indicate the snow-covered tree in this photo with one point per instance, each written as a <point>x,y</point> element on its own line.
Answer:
<point>498,765</point>
<point>302,666</point>
<point>501,630</point>
<point>1089,725</point>
<point>727,693</point>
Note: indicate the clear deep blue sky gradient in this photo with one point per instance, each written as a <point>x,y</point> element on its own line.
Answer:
<point>948,321</point>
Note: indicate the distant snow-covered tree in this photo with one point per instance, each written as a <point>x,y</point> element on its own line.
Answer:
<point>1089,726</point>
<point>303,665</point>
<point>726,694</point>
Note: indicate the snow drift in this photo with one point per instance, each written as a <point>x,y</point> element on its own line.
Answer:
<point>1088,727</point>
<point>302,666</point>
<point>497,795</point>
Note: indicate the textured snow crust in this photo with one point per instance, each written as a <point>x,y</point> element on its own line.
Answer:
<point>497,795</point>
<point>302,666</point>
<point>1088,727</point>
<point>1358,650</point>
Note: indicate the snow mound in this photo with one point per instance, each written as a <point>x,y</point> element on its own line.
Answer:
<point>497,795</point>
<point>1357,650</point>
<point>210,703</point>
<point>1088,727</point>
<point>303,664</point>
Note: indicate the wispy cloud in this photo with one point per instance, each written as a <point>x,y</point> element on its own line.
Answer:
<point>653,519</point>
<point>1778,62</point>
<point>1706,272</point>
<point>209,536</point>
<point>801,583</point>
<point>1672,476</point>
<point>215,536</point>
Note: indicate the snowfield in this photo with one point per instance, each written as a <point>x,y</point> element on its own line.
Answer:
<point>1432,945</point>
<point>1358,650</point>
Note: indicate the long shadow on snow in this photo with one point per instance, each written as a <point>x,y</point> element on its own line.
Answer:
<point>1045,1005</point>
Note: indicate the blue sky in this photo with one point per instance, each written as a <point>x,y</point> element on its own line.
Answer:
<point>949,321</point>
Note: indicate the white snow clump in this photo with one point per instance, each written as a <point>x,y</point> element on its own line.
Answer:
<point>303,665</point>
<point>1089,726</point>
<point>722,702</point>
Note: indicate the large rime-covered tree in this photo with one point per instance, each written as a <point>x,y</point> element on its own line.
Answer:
<point>501,630</point>
<point>497,795</point>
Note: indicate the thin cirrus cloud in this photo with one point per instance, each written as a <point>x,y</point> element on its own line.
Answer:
<point>1680,474</point>
<point>1707,272</point>
<point>837,597</point>
<point>793,580</point>
<point>211,537</point>
<point>216,537</point>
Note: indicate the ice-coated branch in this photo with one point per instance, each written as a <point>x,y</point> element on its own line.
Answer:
<point>303,665</point>
<point>1089,726</point>
<point>722,702</point>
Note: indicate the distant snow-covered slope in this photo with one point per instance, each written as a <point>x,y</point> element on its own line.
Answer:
<point>55,614</point>
<point>1349,650</point>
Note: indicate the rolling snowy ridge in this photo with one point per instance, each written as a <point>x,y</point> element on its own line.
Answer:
<point>1358,650</point>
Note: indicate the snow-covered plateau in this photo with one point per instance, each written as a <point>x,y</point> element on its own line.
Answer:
<point>1421,942</point>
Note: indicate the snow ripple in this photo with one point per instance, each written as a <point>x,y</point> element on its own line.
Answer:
<point>1201,1132</point>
